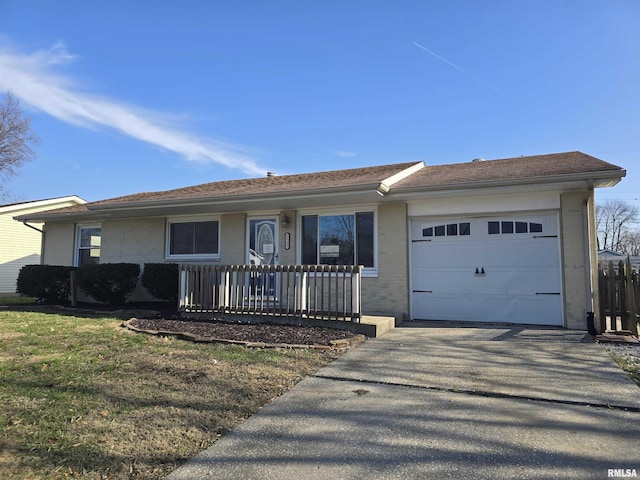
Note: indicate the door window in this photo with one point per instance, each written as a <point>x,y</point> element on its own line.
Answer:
<point>262,242</point>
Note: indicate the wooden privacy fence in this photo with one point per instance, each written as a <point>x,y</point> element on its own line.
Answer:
<point>328,292</point>
<point>619,289</point>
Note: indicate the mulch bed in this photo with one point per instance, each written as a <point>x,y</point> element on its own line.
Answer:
<point>256,335</point>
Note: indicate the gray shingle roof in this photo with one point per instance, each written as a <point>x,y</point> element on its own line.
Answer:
<point>538,166</point>
<point>265,185</point>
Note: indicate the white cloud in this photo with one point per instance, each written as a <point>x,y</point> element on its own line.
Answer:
<point>31,77</point>
<point>345,153</point>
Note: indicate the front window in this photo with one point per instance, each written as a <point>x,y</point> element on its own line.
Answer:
<point>89,242</point>
<point>193,238</point>
<point>338,239</point>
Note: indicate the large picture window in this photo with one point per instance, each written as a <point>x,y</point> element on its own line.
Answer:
<point>193,238</point>
<point>339,239</point>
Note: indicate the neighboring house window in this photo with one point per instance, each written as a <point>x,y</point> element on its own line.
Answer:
<point>193,238</point>
<point>89,240</point>
<point>339,239</point>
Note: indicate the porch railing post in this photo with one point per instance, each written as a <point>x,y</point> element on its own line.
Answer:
<point>182,286</point>
<point>356,296</point>
<point>302,276</point>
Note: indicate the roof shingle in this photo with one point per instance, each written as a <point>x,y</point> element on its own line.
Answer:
<point>537,166</point>
<point>265,185</point>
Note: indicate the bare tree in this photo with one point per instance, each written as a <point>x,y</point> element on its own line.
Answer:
<point>614,220</point>
<point>16,138</point>
<point>631,243</point>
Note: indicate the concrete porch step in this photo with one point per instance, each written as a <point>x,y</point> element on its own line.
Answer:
<point>375,326</point>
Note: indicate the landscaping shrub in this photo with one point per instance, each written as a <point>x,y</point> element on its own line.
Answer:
<point>161,280</point>
<point>48,283</point>
<point>109,282</point>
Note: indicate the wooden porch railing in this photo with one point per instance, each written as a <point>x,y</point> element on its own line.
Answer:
<point>619,287</point>
<point>328,292</point>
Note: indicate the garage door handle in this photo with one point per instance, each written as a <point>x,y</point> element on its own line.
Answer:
<point>480,273</point>
<point>422,291</point>
<point>547,293</point>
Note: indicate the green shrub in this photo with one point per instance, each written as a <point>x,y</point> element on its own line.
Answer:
<point>161,280</point>
<point>48,283</point>
<point>109,282</point>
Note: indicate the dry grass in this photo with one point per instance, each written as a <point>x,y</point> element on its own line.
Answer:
<point>83,398</point>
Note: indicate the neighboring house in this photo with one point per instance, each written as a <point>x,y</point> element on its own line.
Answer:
<point>20,244</point>
<point>510,240</point>
<point>609,255</point>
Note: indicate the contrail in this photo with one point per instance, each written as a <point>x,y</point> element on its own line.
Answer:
<point>470,75</point>
<point>443,59</point>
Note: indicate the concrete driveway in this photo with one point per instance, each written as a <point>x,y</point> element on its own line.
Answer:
<point>430,401</point>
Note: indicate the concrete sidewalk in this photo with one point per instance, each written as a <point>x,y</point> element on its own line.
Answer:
<point>427,401</point>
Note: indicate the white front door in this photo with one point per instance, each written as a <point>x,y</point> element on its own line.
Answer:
<point>501,269</point>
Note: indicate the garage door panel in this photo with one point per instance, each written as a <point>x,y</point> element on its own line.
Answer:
<point>522,253</point>
<point>525,309</point>
<point>443,254</point>
<point>521,281</point>
<point>443,281</point>
<point>529,309</point>
<point>452,306</point>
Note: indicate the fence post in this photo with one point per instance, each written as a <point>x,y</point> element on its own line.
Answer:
<point>602,298</point>
<point>636,295</point>
<point>613,311</point>
<point>631,301</point>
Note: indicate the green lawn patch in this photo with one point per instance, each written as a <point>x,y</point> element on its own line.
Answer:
<point>84,398</point>
<point>15,299</point>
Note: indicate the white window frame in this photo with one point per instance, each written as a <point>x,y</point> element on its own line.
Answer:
<point>366,271</point>
<point>76,249</point>
<point>191,219</point>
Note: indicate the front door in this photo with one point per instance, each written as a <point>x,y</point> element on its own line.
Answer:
<point>262,245</point>
<point>262,249</point>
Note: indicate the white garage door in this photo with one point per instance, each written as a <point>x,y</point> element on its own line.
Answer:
<point>503,269</point>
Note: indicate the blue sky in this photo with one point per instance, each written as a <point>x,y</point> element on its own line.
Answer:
<point>131,96</point>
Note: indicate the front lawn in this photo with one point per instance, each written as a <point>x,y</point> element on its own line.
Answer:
<point>84,398</point>
<point>15,299</point>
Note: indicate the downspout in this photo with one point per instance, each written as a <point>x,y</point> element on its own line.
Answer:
<point>586,211</point>
<point>24,222</point>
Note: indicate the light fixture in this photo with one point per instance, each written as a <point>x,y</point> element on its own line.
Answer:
<point>285,221</point>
